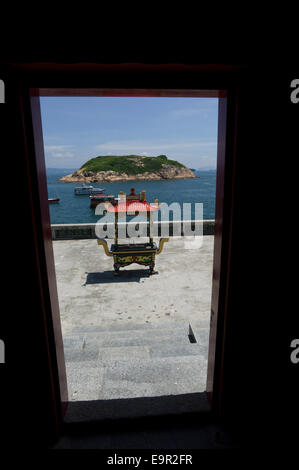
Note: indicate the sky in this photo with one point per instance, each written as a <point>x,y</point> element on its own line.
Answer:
<point>76,129</point>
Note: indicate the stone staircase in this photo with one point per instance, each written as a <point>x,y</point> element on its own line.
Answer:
<point>136,360</point>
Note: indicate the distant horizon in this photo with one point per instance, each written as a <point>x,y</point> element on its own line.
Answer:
<point>76,129</point>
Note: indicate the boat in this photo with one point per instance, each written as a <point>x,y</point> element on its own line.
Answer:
<point>84,189</point>
<point>53,200</point>
<point>97,190</point>
<point>96,199</point>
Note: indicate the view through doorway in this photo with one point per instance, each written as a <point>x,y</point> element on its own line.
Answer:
<point>136,337</point>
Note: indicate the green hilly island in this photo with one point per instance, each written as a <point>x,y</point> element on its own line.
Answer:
<point>128,167</point>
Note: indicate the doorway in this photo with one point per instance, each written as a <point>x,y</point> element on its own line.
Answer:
<point>98,283</point>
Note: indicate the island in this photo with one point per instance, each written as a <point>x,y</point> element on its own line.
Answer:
<point>109,168</point>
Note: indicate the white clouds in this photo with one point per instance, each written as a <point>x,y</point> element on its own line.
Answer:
<point>206,162</point>
<point>193,153</point>
<point>57,147</point>
<point>59,151</point>
<point>62,155</point>
<point>125,147</point>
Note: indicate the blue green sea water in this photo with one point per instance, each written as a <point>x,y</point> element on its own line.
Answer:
<point>73,209</point>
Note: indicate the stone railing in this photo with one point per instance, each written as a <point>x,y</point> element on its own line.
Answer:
<point>81,231</point>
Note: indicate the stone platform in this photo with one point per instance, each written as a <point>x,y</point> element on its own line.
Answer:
<point>134,335</point>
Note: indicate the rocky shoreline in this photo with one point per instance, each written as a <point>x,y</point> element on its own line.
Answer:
<point>165,173</point>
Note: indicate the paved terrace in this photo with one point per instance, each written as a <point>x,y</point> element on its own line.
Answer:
<point>134,335</point>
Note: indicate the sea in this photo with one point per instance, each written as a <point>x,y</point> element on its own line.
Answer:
<point>73,209</point>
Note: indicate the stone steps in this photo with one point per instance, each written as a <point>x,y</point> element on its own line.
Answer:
<point>160,346</point>
<point>176,325</point>
<point>135,361</point>
<point>136,378</point>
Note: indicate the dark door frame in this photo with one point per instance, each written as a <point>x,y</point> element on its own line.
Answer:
<point>124,81</point>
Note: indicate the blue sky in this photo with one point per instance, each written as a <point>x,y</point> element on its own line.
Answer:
<point>76,129</point>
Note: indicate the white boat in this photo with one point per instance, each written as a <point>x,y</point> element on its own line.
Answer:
<point>53,200</point>
<point>84,189</point>
<point>97,190</point>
